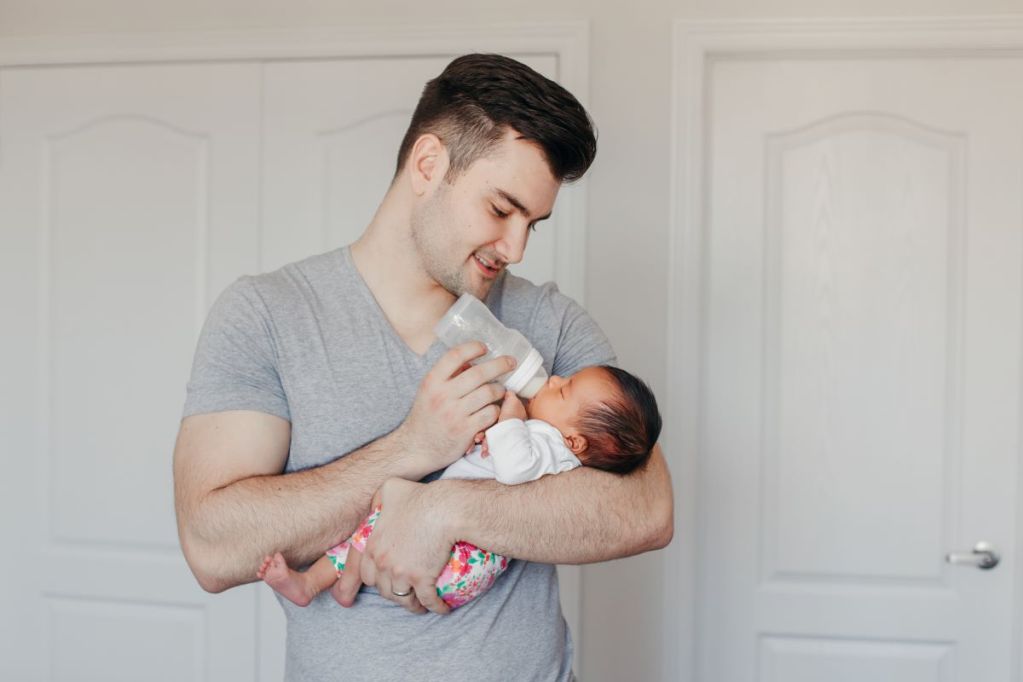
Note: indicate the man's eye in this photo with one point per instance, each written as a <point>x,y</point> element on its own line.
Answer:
<point>532,227</point>
<point>498,212</point>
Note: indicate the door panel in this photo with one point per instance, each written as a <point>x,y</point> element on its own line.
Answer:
<point>129,201</point>
<point>860,405</point>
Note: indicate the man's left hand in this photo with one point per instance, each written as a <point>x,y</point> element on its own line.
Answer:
<point>409,546</point>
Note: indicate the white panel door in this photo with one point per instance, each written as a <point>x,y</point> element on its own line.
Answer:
<point>128,198</point>
<point>860,406</point>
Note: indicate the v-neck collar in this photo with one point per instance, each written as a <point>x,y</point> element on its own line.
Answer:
<point>347,264</point>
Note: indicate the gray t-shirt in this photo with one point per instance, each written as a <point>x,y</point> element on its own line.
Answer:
<point>309,343</point>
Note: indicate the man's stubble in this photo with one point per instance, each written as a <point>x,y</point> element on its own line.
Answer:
<point>430,225</point>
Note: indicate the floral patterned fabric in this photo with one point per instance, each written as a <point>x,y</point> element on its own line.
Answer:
<point>470,571</point>
<point>339,555</point>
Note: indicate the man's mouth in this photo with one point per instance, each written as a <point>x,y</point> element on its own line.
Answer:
<point>488,267</point>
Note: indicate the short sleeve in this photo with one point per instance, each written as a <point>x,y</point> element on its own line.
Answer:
<point>581,342</point>
<point>235,364</point>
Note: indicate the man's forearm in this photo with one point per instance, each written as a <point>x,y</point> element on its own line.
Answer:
<point>577,517</point>
<point>300,514</point>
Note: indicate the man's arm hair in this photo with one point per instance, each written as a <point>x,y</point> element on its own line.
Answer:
<point>234,505</point>
<point>580,516</point>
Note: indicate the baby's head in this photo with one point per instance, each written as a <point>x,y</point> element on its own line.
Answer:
<point>608,417</point>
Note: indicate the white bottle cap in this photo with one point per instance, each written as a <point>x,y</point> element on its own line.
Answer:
<point>524,371</point>
<point>534,385</point>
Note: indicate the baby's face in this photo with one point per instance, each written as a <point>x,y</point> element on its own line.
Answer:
<point>560,401</point>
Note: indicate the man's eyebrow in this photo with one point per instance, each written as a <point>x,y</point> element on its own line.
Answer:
<point>518,204</point>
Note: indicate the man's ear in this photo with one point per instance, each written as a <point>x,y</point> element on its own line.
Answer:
<point>576,443</point>
<point>427,163</point>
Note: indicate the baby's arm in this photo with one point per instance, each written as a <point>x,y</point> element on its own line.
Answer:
<point>521,452</point>
<point>511,408</point>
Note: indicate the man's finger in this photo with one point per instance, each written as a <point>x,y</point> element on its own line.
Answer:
<point>409,601</point>
<point>415,606</point>
<point>487,394</point>
<point>485,372</point>
<point>367,571</point>
<point>452,361</point>
<point>391,590</point>
<point>383,585</point>
<point>426,591</point>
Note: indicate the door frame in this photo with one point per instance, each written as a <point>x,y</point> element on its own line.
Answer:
<point>567,41</point>
<point>696,46</point>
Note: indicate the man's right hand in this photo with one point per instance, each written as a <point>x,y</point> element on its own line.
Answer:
<point>453,404</point>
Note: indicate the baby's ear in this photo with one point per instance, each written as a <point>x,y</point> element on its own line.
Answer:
<point>576,443</point>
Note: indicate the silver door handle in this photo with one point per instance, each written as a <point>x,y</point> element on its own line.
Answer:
<point>983,556</point>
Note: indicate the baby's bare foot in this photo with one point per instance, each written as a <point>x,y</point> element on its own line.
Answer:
<point>291,584</point>
<point>261,573</point>
<point>343,600</point>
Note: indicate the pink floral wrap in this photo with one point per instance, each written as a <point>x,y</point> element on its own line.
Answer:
<point>470,571</point>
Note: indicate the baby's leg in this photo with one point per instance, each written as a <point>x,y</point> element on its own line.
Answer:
<point>298,587</point>
<point>470,572</point>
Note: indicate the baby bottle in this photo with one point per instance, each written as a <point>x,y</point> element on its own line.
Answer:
<point>470,320</point>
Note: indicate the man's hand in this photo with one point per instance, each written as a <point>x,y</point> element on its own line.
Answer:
<point>407,550</point>
<point>452,404</point>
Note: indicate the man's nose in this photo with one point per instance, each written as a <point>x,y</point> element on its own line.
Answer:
<point>513,244</point>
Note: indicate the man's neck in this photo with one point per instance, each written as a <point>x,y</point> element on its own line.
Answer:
<point>411,300</point>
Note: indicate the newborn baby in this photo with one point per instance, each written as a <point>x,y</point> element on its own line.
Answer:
<point>601,416</point>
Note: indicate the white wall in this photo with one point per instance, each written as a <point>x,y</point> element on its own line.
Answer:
<point>630,99</point>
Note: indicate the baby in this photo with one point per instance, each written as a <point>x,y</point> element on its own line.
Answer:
<point>601,417</point>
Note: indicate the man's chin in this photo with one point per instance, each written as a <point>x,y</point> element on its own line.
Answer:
<point>477,286</point>
<point>476,290</point>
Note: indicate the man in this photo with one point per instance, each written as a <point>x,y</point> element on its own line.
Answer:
<point>320,386</point>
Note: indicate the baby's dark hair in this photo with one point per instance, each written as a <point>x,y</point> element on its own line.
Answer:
<point>622,430</point>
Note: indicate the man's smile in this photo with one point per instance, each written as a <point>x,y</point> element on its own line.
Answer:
<point>487,267</point>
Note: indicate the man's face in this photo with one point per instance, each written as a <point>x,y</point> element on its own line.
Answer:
<point>468,231</point>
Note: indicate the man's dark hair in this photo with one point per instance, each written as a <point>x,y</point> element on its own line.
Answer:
<point>622,430</point>
<point>477,97</point>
